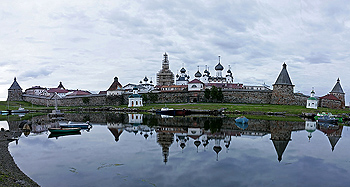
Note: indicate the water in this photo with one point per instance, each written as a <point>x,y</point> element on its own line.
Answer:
<point>117,153</point>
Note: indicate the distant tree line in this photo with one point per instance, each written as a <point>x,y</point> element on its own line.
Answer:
<point>213,95</point>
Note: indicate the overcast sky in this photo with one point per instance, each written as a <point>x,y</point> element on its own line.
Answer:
<point>85,44</point>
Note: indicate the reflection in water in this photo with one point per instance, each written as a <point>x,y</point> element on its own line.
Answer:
<point>333,132</point>
<point>192,137</point>
<point>201,130</point>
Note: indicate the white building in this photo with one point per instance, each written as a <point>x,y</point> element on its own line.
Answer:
<point>312,101</point>
<point>135,100</point>
<point>37,90</point>
<point>182,79</point>
<point>195,85</point>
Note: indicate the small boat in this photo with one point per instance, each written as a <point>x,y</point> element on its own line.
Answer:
<point>321,115</point>
<point>76,125</point>
<point>64,130</point>
<point>56,135</point>
<point>20,110</point>
<point>4,112</point>
<point>327,119</point>
<point>241,119</point>
<point>243,126</point>
<point>173,112</point>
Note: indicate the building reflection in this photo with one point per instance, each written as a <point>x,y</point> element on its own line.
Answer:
<point>310,127</point>
<point>333,132</point>
<point>192,133</point>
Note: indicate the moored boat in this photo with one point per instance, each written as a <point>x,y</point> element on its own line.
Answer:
<point>70,124</point>
<point>327,118</point>
<point>241,119</point>
<point>64,130</point>
<point>173,112</point>
<point>20,110</point>
<point>56,135</point>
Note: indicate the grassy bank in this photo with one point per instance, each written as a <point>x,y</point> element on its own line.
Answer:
<point>230,107</point>
<point>288,109</point>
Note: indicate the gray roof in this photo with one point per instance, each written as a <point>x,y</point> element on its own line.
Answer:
<point>198,74</point>
<point>337,87</point>
<point>219,67</point>
<point>15,85</point>
<point>284,78</point>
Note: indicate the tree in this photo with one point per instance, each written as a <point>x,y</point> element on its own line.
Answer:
<point>220,95</point>
<point>214,93</point>
<point>145,98</point>
<point>207,94</point>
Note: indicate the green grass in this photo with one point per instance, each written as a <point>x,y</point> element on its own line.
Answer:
<point>288,109</point>
<point>230,107</point>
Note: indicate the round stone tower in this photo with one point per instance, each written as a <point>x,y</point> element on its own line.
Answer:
<point>283,89</point>
<point>15,92</point>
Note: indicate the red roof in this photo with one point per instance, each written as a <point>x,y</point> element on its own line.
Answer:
<point>115,85</point>
<point>196,81</point>
<point>79,92</point>
<point>57,90</point>
<point>330,97</point>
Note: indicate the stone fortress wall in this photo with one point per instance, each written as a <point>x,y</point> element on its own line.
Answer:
<point>230,96</point>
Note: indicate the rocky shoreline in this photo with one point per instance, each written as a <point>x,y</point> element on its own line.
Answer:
<point>10,174</point>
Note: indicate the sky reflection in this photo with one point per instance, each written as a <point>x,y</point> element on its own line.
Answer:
<point>95,158</point>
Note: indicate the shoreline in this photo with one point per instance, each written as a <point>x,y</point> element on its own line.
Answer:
<point>10,174</point>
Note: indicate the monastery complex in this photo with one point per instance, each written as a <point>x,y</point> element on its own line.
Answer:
<point>180,88</point>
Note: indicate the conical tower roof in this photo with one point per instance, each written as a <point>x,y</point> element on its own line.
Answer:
<point>280,146</point>
<point>337,87</point>
<point>283,77</point>
<point>15,85</point>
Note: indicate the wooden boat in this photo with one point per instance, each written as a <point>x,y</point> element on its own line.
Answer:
<point>241,119</point>
<point>76,125</point>
<point>64,130</point>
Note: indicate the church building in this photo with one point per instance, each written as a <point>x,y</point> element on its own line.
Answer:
<point>135,100</point>
<point>312,101</point>
<point>165,77</point>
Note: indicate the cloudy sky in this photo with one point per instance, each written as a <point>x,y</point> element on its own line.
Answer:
<point>85,44</point>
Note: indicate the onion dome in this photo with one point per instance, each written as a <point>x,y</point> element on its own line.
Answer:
<point>145,79</point>
<point>183,70</point>
<point>135,88</point>
<point>182,145</point>
<point>198,74</point>
<point>219,67</point>
<point>177,76</point>
<point>229,71</point>
<point>197,143</point>
<point>140,82</point>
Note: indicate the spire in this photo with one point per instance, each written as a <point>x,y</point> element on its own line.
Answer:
<point>219,66</point>
<point>283,77</point>
<point>165,64</point>
<point>15,85</point>
<point>337,87</point>
<point>61,86</point>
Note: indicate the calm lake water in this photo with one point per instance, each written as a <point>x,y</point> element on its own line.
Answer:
<point>146,150</point>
